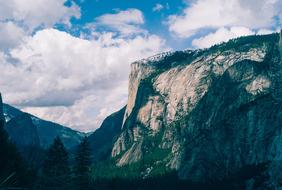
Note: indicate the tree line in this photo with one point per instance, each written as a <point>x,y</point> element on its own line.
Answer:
<point>55,173</point>
<point>61,170</point>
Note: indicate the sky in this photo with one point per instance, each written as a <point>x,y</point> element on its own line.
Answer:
<point>68,61</point>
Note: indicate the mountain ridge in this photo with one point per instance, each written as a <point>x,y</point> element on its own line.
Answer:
<point>46,130</point>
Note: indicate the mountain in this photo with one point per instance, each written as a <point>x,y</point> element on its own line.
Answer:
<point>13,172</point>
<point>213,114</point>
<point>2,118</point>
<point>101,140</point>
<point>22,131</point>
<point>26,129</point>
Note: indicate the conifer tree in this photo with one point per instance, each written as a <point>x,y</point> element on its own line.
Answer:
<point>56,167</point>
<point>82,165</point>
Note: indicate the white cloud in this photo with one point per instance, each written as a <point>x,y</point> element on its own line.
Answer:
<point>39,13</point>
<point>158,7</point>
<point>71,80</point>
<point>221,35</point>
<point>88,112</point>
<point>224,34</point>
<point>10,35</point>
<point>214,14</point>
<point>66,79</point>
<point>266,31</point>
<point>126,22</point>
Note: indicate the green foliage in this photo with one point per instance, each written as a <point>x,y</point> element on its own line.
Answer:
<point>56,172</point>
<point>176,58</point>
<point>245,43</point>
<point>170,180</point>
<point>154,158</point>
<point>82,165</point>
<point>108,170</point>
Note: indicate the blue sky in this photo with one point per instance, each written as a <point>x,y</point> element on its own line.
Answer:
<point>68,61</point>
<point>90,9</point>
<point>155,19</point>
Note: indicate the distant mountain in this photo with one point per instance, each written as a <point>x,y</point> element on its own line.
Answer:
<point>22,131</point>
<point>102,140</point>
<point>23,128</point>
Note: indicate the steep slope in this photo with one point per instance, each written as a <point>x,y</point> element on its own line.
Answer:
<point>101,141</point>
<point>13,171</point>
<point>207,113</point>
<point>46,130</point>
<point>22,131</point>
<point>2,118</point>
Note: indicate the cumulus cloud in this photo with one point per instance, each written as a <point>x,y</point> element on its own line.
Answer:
<point>40,13</point>
<point>126,22</point>
<point>10,35</point>
<point>20,18</point>
<point>66,79</point>
<point>221,35</point>
<point>88,112</point>
<point>214,14</point>
<point>76,81</point>
<point>224,34</point>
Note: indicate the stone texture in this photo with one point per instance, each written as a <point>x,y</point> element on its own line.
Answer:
<point>217,110</point>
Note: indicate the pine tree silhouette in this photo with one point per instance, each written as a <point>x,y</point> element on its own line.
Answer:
<point>56,172</point>
<point>82,165</point>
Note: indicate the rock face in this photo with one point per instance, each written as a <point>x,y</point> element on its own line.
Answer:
<point>101,141</point>
<point>213,111</point>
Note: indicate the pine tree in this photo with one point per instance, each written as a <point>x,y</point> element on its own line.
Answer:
<point>56,167</point>
<point>82,165</point>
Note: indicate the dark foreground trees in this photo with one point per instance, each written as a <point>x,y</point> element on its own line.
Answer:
<point>82,165</point>
<point>56,171</point>
<point>13,170</point>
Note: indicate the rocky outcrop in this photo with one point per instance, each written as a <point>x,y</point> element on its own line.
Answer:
<point>213,111</point>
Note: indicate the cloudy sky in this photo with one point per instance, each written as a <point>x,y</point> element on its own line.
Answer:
<point>68,60</point>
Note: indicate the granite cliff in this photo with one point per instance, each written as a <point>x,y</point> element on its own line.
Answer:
<point>208,114</point>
